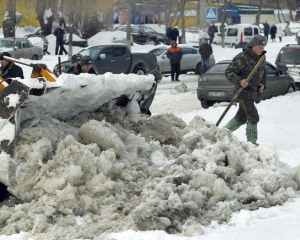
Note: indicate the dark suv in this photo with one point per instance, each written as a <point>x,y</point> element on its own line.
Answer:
<point>144,35</point>
<point>288,61</point>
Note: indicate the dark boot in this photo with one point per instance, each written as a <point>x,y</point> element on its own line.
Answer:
<point>251,133</point>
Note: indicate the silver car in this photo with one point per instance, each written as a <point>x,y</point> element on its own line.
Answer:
<point>190,62</point>
<point>22,48</point>
<point>214,87</point>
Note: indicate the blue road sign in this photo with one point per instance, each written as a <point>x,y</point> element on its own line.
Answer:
<point>211,14</point>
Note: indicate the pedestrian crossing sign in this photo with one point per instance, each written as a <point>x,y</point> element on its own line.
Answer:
<point>211,14</point>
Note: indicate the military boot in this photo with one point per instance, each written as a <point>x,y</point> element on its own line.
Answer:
<point>251,133</point>
<point>233,125</point>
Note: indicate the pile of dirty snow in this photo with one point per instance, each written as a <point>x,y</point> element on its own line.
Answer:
<point>100,172</point>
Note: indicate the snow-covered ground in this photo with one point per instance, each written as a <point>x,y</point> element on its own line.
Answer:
<point>104,181</point>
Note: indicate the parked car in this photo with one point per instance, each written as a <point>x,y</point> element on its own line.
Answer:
<point>21,48</point>
<point>144,35</point>
<point>237,35</point>
<point>115,58</point>
<point>76,41</point>
<point>190,62</point>
<point>294,27</point>
<point>39,33</point>
<point>214,87</point>
<point>288,61</point>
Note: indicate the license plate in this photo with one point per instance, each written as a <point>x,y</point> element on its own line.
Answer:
<point>216,94</point>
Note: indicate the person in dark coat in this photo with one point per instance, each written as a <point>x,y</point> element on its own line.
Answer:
<point>266,30</point>
<point>175,55</point>
<point>84,66</point>
<point>273,31</point>
<point>205,51</point>
<point>237,73</point>
<point>59,34</point>
<point>175,34</point>
<point>9,69</point>
<point>169,34</point>
<point>211,33</point>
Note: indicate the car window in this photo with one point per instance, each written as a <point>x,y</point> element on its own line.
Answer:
<point>119,51</point>
<point>248,31</point>
<point>108,52</point>
<point>148,29</point>
<point>218,68</point>
<point>24,44</point>
<point>123,29</point>
<point>92,52</point>
<point>158,52</point>
<point>289,55</point>
<point>136,30</point>
<point>186,51</point>
<point>232,32</point>
<point>255,31</point>
<point>6,43</point>
<point>270,69</point>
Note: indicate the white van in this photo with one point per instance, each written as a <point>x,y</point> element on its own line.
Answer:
<point>238,35</point>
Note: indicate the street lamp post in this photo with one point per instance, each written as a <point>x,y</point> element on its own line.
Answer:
<point>202,20</point>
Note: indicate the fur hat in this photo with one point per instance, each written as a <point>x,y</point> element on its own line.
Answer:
<point>86,60</point>
<point>257,40</point>
<point>76,58</point>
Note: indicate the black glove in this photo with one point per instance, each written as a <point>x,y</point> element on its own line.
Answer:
<point>1,56</point>
<point>36,67</point>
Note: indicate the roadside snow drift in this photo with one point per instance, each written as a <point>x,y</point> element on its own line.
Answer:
<point>85,176</point>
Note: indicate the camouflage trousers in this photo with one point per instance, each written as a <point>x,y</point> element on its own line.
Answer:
<point>247,112</point>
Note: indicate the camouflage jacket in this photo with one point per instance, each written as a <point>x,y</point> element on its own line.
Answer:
<point>240,68</point>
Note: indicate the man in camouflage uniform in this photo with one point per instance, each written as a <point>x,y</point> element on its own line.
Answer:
<point>237,73</point>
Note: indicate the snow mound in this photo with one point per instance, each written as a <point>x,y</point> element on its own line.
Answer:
<point>100,173</point>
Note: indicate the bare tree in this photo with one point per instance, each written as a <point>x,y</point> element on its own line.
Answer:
<point>9,20</point>
<point>45,10</point>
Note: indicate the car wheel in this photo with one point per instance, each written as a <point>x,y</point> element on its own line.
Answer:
<point>198,69</point>
<point>290,89</point>
<point>151,42</point>
<point>206,104</point>
<point>234,46</point>
<point>139,71</point>
<point>34,57</point>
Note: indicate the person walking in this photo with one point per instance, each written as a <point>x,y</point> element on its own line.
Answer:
<point>84,66</point>
<point>211,33</point>
<point>45,45</point>
<point>169,34</point>
<point>205,51</point>
<point>59,34</point>
<point>9,69</point>
<point>237,73</point>
<point>175,55</point>
<point>175,34</point>
<point>266,30</point>
<point>280,33</point>
<point>273,31</point>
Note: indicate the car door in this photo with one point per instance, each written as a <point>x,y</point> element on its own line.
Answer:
<point>105,61</point>
<point>138,35</point>
<point>19,51</point>
<point>190,58</point>
<point>122,58</point>
<point>275,83</point>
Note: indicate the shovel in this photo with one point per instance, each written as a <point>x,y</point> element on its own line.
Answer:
<point>241,89</point>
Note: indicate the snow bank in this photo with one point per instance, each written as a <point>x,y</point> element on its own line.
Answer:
<point>99,173</point>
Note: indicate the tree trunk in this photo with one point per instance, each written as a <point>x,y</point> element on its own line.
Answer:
<point>182,8</point>
<point>9,19</point>
<point>257,18</point>
<point>46,22</point>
